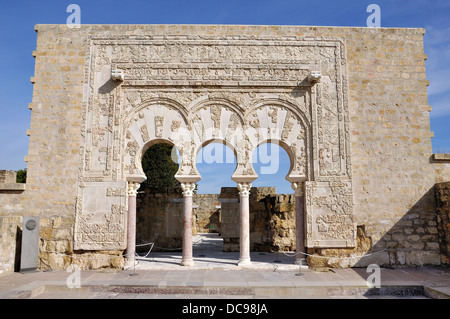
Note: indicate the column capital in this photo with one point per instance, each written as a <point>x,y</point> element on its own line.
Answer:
<point>188,188</point>
<point>244,188</point>
<point>132,188</point>
<point>298,188</point>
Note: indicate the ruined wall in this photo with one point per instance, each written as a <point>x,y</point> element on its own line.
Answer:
<point>207,213</point>
<point>159,219</point>
<point>443,220</point>
<point>10,229</point>
<point>11,212</point>
<point>441,163</point>
<point>272,218</point>
<point>272,223</point>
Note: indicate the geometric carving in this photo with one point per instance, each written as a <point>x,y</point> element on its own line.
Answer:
<point>159,123</point>
<point>329,214</point>
<point>100,216</point>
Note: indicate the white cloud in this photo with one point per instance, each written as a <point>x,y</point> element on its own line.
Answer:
<point>440,107</point>
<point>439,80</point>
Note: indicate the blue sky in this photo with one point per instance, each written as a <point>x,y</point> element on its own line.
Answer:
<point>18,40</point>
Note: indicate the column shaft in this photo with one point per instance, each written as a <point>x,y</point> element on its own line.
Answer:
<point>187,256</point>
<point>244,224</point>
<point>300,228</point>
<point>131,223</point>
<point>299,222</point>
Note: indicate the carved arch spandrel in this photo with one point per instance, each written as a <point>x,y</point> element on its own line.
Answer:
<point>215,118</point>
<point>280,122</point>
<point>155,120</point>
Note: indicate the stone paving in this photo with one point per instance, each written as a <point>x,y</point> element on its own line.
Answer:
<point>226,283</point>
<point>215,275</point>
<point>208,254</point>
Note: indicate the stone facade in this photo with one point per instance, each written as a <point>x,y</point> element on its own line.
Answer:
<point>349,105</point>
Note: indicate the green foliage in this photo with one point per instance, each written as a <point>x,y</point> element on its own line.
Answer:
<point>159,167</point>
<point>21,176</point>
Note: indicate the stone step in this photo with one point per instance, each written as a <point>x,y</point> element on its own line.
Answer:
<point>323,291</point>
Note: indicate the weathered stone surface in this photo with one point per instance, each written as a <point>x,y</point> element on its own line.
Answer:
<point>443,221</point>
<point>9,242</point>
<point>441,163</point>
<point>159,219</point>
<point>207,211</point>
<point>7,177</point>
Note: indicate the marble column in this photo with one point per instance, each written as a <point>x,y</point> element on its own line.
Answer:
<point>300,257</point>
<point>187,259</point>
<point>244,223</point>
<point>131,223</point>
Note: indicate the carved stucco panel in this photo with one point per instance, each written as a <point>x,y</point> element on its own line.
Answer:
<point>100,221</point>
<point>329,214</point>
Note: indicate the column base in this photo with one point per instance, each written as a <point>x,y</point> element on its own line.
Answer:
<point>302,262</point>
<point>129,263</point>
<point>187,262</point>
<point>244,262</point>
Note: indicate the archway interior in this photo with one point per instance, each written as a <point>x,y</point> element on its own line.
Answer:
<point>159,200</point>
<point>216,163</point>
<point>272,205</point>
<point>272,164</point>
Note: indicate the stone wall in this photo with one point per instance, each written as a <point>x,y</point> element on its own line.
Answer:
<point>441,163</point>
<point>272,223</point>
<point>443,220</point>
<point>10,235</point>
<point>7,177</point>
<point>159,219</point>
<point>207,213</point>
<point>11,212</point>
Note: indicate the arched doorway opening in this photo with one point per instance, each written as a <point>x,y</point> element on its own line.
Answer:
<point>216,163</point>
<point>159,200</point>
<point>272,202</point>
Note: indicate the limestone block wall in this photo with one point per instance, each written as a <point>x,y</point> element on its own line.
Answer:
<point>272,223</point>
<point>443,220</point>
<point>272,219</point>
<point>207,213</point>
<point>159,219</point>
<point>441,163</point>
<point>391,147</point>
<point>11,211</point>
<point>10,229</point>
<point>7,177</point>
